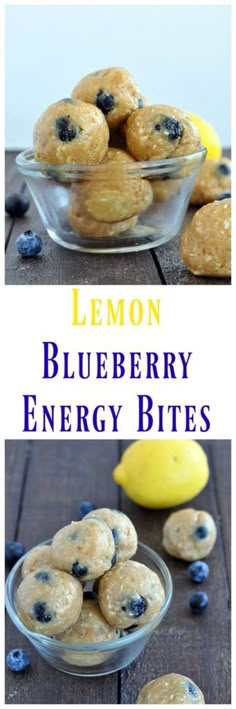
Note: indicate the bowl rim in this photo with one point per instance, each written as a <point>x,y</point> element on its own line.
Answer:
<point>53,643</point>
<point>26,163</point>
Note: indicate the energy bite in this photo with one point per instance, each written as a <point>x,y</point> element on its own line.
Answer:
<point>165,189</point>
<point>37,557</point>
<point>130,594</point>
<point>49,601</point>
<point>206,242</point>
<point>86,226</point>
<point>115,196</point>
<point>91,626</point>
<point>160,132</point>
<point>213,180</point>
<point>171,689</point>
<point>124,532</point>
<point>189,534</point>
<point>71,132</point>
<point>113,91</point>
<point>85,549</point>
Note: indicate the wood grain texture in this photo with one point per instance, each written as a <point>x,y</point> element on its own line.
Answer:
<point>59,266</point>
<point>45,481</point>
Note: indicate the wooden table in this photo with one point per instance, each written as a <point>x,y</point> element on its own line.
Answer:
<point>45,482</point>
<point>160,266</point>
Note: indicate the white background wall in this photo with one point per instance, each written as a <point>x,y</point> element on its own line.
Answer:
<point>179,55</point>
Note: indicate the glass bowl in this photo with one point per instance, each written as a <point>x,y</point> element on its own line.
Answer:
<point>112,207</point>
<point>99,658</point>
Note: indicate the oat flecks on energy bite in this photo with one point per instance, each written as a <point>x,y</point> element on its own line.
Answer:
<point>189,534</point>
<point>36,558</point>
<point>85,549</point>
<point>49,601</point>
<point>123,531</point>
<point>71,133</point>
<point>214,178</point>
<point>206,242</point>
<point>130,594</point>
<point>171,689</point>
<point>91,626</point>
<point>160,132</point>
<point>113,91</point>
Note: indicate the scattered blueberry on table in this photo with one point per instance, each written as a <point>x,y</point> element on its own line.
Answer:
<point>198,571</point>
<point>18,660</point>
<point>29,244</point>
<point>13,552</point>
<point>16,205</point>
<point>86,507</point>
<point>198,602</point>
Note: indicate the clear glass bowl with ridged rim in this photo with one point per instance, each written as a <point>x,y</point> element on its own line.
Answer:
<point>58,192</point>
<point>99,658</point>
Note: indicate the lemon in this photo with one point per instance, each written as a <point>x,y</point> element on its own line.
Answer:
<point>162,473</point>
<point>208,137</point>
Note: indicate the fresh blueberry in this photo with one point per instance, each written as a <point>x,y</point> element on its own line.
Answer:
<point>90,596</point>
<point>113,560</point>
<point>198,602</point>
<point>65,130</point>
<point>13,552</point>
<point>173,127</point>
<point>158,127</point>
<point>198,571</point>
<point>18,660</point>
<point>224,169</point>
<point>192,690</point>
<point>40,612</point>
<point>223,195</point>
<point>201,532</point>
<point>29,244</point>
<point>116,536</point>
<point>16,205</point>
<point>135,606</point>
<point>86,507</point>
<point>78,570</point>
<point>42,576</point>
<point>105,101</point>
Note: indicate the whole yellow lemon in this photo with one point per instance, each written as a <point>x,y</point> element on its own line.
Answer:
<point>208,137</point>
<point>162,473</point>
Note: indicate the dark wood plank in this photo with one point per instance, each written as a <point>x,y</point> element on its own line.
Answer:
<point>220,458</point>
<point>60,474</point>
<point>185,643</point>
<point>17,457</point>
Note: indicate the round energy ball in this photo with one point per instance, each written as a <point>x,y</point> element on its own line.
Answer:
<point>171,689</point>
<point>214,178</point>
<point>85,549</point>
<point>206,242</point>
<point>71,132</point>
<point>37,558</point>
<point>160,132</point>
<point>87,226</point>
<point>49,601</point>
<point>130,594</point>
<point>113,91</point>
<point>91,626</point>
<point>189,534</point>
<point>123,530</point>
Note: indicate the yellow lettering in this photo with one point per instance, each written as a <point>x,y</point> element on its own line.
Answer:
<point>75,306</point>
<point>114,315</point>
<point>136,311</point>
<point>95,311</point>
<point>153,310</point>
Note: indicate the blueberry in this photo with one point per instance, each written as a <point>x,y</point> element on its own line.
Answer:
<point>113,560</point>
<point>65,129</point>
<point>173,127</point>
<point>201,532</point>
<point>105,101</point>
<point>198,571</point>
<point>40,612</point>
<point>29,244</point>
<point>86,507</point>
<point>78,571</point>
<point>13,552</point>
<point>192,690</point>
<point>198,602</point>
<point>223,195</point>
<point>18,660</point>
<point>135,606</point>
<point>158,127</point>
<point>116,536</point>
<point>42,576</point>
<point>224,169</point>
<point>140,102</point>
<point>16,205</point>
<point>90,596</point>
